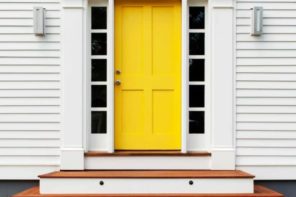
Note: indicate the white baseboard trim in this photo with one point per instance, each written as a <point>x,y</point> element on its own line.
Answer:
<point>72,159</point>
<point>25,172</point>
<point>266,172</point>
<point>223,159</point>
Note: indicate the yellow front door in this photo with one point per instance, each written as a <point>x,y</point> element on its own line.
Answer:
<point>148,67</point>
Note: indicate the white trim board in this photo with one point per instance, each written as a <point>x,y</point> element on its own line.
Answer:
<point>266,172</point>
<point>72,63</point>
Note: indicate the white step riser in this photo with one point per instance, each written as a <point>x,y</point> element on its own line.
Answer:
<point>138,185</point>
<point>137,162</point>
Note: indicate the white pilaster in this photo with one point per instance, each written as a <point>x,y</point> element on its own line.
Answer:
<point>222,47</point>
<point>72,153</point>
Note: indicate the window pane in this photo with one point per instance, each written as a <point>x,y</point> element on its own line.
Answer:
<point>196,70</point>
<point>98,96</point>
<point>196,43</point>
<point>196,122</point>
<point>98,122</point>
<point>98,18</point>
<point>196,96</point>
<point>99,70</point>
<point>196,18</point>
<point>99,44</point>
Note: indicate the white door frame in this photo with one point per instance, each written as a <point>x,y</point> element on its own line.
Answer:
<point>190,142</point>
<point>74,135</point>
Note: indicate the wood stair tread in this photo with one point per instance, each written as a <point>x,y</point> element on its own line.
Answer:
<point>147,153</point>
<point>260,191</point>
<point>149,174</point>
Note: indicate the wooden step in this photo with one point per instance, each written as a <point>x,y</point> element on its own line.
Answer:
<point>260,191</point>
<point>147,181</point>
<point>149,174</point>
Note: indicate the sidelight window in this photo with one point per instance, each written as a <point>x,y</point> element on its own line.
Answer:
<point>197,75</point>
<point>98,52</point>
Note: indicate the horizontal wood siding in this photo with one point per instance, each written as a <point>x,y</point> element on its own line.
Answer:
<point>266,89</point>
<point>30,88</point>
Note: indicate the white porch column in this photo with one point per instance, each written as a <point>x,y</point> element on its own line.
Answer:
<point>222,47</point>
<point>72,154</point>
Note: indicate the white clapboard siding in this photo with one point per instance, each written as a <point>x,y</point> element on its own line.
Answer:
<point>266,135</point>
<point>29,54</point>
<point>30,89</point>
<point>269,21</point>
<point>25,22</point>
<point>30,69</point>
<point>30,109</point>
<point>266,152</point>
<point>266,89</point>
<point>266,77</point>
<point>265,109</point>
<point>265,53</point>
<point>263,126</point>
<point>27,14</point>
<point>29,135</point>
<point>267,13</point>
<point>260,117</point>
<point>270,29</point>
<point>265,69</point>
<point>268,38</point>
<point>270,45</point>
<point>25,151</point>
<point>46,77</point>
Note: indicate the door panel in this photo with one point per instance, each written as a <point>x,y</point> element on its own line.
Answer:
<point>148,54</point>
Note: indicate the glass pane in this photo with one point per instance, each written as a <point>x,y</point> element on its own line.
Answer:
<point>99,70</point>
<point>98,18</point>
<point>99,44</point>
<point>98,122</point>
<point>196,70</point>
<point>196,43</point>
<point>196,122</point>
<point>196,96</point>
<point>196,18</point>
<point>98,96</point>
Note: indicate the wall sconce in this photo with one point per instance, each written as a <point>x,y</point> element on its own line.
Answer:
<point>257,20</point>
<point>39,21</point>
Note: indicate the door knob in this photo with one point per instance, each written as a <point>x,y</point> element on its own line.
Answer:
<point>117,82</point>
<point>118,72</point>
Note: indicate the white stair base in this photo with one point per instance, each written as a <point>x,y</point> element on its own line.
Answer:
<point>145,185</point>
<point>147,163</point>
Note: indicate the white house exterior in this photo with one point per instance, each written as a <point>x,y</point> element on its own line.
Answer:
<point>249,95</point>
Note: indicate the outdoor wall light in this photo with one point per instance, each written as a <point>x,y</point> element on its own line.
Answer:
<point>39,21</point>
<point>257,20</point>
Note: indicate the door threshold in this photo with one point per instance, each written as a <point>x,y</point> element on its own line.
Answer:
<point>148,153</point>
<point>147,160</point>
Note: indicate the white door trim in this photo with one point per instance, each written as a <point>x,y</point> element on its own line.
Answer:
<point>110,75</point>
<point>185,74</point>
